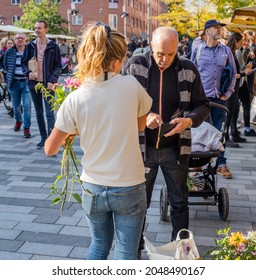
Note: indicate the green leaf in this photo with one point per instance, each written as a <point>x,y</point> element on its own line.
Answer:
<point>77,197</point>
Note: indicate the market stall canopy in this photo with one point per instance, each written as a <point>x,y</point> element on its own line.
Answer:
<point>237,27</point>
<point>245,16</point>
<point>10,29</point>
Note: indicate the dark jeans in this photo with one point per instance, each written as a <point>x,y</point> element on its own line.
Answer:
<point>245,98</point>
<point>39,108</point>
<point>217,118</point>
<point>175,176</point>
<point>232,104</point>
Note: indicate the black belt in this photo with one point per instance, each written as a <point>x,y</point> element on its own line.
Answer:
<point>20,79</point>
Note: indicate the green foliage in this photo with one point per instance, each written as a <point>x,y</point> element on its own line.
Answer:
<point>226,8</point>
<point>47,10</point>
<point>188,16</point>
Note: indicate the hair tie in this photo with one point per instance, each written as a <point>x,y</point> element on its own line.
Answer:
<point>107,27</point>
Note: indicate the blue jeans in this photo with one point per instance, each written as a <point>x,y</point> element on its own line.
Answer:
<point>39,108</point>
<point>218,117</point>
<point>175,176</point>
<point>19,91</point>
<point>114,210</point>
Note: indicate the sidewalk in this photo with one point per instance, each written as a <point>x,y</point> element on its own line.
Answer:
<point>30,228</point>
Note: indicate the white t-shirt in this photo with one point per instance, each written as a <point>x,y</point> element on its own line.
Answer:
<point>106,113</point>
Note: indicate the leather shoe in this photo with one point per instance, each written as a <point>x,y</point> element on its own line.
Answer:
<point>231,144</point>
<point>238,139</point>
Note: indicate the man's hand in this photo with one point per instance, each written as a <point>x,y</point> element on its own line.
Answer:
<point>153,121</point>
<point>31,76</point>
<point>50,86</point>
<point>181,124</point>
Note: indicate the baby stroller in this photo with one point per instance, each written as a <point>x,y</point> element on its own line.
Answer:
<point>202,179</point>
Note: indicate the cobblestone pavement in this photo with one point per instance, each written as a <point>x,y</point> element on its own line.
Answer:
<point>30,228</point>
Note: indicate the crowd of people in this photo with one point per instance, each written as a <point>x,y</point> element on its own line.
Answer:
<point>170,81</point>
<point>15,57</point>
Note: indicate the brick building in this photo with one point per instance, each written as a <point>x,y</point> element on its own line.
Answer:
<point>131,17</point>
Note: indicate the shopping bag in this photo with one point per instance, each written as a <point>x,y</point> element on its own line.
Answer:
<point>180,249</point>
<point>33,66</point>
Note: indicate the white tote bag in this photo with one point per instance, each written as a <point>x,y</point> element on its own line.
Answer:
<point>180,249</point>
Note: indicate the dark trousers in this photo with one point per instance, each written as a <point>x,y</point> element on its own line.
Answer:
<point>38,101</point>
<point>232,104</point>
<point>244,97</point>
<point>175,176</point>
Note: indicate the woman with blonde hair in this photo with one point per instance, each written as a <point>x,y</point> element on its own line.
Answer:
<point>107,110</point>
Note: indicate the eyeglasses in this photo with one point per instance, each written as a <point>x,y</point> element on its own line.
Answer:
<point>19,38</point>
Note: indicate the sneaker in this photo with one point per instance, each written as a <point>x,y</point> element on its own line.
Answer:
<point>225,172</point>
<point>17,126</point>
<point>238,139</point>
<point>27,133</point>
<point>231,144</point>
<point>40,145</point>
<point>251,132</point>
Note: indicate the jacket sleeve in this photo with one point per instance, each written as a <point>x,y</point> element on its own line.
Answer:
<point>199,103</point>
<point>24,61</point>
<point>232,63</point>
<point>57,65</point>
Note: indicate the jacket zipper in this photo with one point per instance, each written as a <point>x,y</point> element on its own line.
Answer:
<point>160,106</point>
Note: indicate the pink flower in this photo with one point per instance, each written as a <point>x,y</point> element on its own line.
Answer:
<point>72,83</point>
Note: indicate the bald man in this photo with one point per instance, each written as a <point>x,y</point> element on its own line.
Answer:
<point>175,86</point>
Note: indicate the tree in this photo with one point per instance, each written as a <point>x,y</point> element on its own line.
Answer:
<point>226,8</point>
<point>47,10</point>
<point>176,17</point>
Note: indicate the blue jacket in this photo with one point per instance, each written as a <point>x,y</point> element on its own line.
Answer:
<point>51,62</point>
<point>9,65</point>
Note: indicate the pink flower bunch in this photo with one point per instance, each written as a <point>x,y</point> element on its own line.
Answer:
<point>72,83</point>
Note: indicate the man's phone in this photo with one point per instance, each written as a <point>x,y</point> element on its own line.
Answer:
<point>166,127</point>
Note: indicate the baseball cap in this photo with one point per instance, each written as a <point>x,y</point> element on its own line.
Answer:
<point>249,32</point>
<point>212,22</point>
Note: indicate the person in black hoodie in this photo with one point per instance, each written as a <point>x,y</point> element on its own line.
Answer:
<point>175,86</point>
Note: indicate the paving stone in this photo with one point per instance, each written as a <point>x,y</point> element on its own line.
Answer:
<point>47,211</point>
<point>58,239</point>
<point>7,224</point>
<point>45,249</point>
<point>72,221</point>
<point>78,253</point>
<point>38,227</point>
<point>48,219</point>
<point>10,245</point>
<point>15,209</point>
<point>9,233</point>
<point>14,256</point>
<point>6,216</point>
<point>77,231</point>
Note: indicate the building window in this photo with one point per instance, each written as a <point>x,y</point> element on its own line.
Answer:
<point>15,18</point>
<point>15,2</point>
<point>37,1</point>
<point>76,1</point>
<point>113,4</point>
<point>113,21</point>
<point>77,20</point>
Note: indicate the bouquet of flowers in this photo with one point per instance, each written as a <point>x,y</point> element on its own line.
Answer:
<point>69,169</point>
<point>234,246</point>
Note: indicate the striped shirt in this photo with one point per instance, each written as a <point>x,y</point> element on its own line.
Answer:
<point>18,74</point>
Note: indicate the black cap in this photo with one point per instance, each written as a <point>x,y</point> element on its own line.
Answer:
<point>212,22</point>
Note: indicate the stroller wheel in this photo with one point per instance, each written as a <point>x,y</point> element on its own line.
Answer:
<point>163,203</point>
<point>223,204</point>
